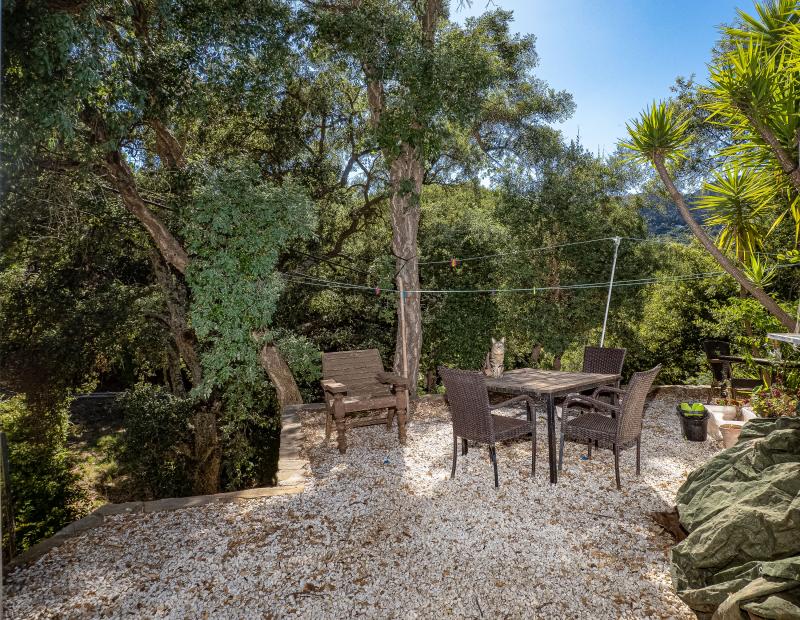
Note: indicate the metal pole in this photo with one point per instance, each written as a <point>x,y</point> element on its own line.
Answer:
<point>610,286</point>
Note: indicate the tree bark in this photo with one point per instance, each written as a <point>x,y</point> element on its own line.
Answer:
<point>280,375</point>
<point>207,455</point>
<point>405,178</point>
<point>123,181</point>
<point>177,300</point>
<point>784,157</point>
<point>757,292</point>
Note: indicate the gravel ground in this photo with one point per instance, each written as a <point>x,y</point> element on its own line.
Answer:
<point>397,539</point>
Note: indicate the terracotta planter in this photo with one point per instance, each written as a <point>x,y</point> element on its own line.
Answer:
<point>730,434</point>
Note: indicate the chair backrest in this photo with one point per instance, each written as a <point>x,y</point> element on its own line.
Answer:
<point>632,405</point>
<point>469,403</point>
<point>603,360</point>
<point>357,370</point>
<point>713,349</point>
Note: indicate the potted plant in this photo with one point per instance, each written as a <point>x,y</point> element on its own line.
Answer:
<point>776,401</point>
<point>694,421</point>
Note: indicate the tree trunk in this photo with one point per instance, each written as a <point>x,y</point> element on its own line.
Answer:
<point>177,299</point>
<point>785,158</point>
<point>757,292</point>
<point>557,362</point>
<point>207,451</point>
<point>280,375</point>
<point>121,177</point>
<point>405,177</point>
<point>430,381</point>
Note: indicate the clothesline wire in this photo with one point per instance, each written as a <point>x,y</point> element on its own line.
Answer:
<point>529,251</point>
<point>324,283</point>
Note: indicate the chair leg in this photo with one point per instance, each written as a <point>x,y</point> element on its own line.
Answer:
<point>589,453</point>
<point>464,447</point>
<point>493,457</point>
<point>638,455</point>
<point>390,418</point>
<point>561,446</point>
<point>455,456</point>
<point>338,414</point>
<point>401,424</point>
<point>616,465</point>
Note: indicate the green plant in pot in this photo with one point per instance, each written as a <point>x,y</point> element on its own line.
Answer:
<point>694,421</point>
<point>692,410</point>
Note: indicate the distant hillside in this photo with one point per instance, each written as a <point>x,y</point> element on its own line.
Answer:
<point>662,217</point>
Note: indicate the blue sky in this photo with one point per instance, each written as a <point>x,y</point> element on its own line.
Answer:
<point>616,56</point>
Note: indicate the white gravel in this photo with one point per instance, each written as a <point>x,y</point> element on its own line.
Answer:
<point>370,539</point>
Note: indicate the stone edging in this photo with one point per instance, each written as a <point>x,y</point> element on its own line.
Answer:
<point>291,477</point>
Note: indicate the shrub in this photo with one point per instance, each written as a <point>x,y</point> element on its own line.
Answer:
<point>156,423</point>
<point>44,488</point>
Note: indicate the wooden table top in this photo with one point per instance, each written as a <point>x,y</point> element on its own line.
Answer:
<point>547,382</point>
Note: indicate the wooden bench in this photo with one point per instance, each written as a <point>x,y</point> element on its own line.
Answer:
<point>354,382</point>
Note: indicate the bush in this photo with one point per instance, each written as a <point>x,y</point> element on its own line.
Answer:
<point>156,423</point>
<point>44,488</point>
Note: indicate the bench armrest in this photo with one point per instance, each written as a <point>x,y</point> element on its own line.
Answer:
<point>334,387</point>
<point>390,377</point>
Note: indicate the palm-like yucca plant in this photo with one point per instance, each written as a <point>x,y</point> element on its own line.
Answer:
<point>734,202</point>
<point>659,134</point>
<point>758,272</point>
<point>755,89</point>
<point>769,25</point>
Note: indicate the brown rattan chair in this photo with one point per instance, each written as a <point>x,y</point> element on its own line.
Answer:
<point>595,426</point>
<point>603,360</point>
<point>473,419</point>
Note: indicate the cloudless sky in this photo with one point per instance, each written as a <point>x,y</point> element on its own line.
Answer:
<point>615,56</point>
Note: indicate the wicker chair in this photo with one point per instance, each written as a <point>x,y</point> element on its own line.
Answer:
<point>603,360</point>
<point>622,431</point>
<point>473,418</point>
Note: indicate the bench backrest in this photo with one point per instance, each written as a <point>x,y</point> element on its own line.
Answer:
<point>356,370</point>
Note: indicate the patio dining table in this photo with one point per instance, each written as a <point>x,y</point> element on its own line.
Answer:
<point>549,384</point>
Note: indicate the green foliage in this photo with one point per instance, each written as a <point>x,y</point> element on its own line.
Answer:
<point>156,424</point>
<point>675,317</point>
<point>44,488</point>
<point>237,229</point>
<point>658,134</point>
<point>304,360</point>
<point>776,401</point>
<point>734,203</point>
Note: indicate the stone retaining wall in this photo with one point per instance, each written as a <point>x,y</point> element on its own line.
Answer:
<point>292,466</point>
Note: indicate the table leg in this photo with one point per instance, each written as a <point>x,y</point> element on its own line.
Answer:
<point>551,437</point>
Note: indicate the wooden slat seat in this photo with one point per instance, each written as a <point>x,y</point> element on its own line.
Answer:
<point>355,381</point>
